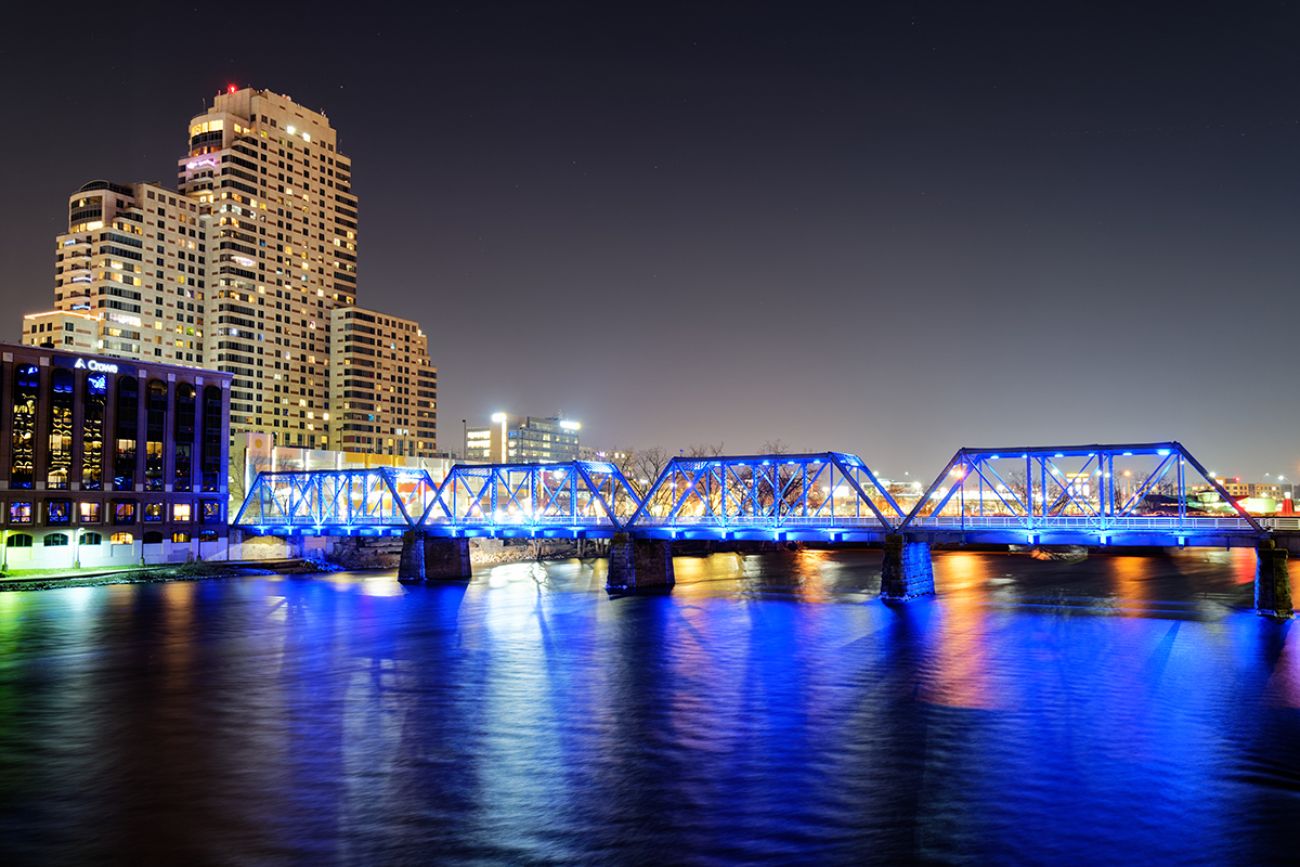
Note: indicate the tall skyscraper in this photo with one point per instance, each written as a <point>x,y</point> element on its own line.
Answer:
<point>284,244</point>
<point>250,268</point>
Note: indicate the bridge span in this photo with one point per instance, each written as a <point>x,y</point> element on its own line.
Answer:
<point>1119,495</point>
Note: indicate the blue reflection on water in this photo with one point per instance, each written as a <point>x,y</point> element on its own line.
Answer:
<point>769,709</point>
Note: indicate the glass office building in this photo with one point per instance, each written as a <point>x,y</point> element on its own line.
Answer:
<point>105,461</point>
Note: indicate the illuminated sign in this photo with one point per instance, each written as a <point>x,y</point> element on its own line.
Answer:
<point>97,366</point>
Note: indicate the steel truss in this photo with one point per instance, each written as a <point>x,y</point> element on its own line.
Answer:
<point>337,502</point>
<point>1095,490</point>
<point>823,495</point>
<point>574,498</point>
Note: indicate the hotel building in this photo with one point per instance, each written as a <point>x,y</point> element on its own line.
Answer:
<point>284,245</point>
<point>384,387</point>
<point>110,462</point>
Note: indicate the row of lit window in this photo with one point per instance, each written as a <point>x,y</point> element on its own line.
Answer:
<point>59,511</point>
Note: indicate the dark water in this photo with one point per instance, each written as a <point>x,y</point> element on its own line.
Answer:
<point>1114,710</point>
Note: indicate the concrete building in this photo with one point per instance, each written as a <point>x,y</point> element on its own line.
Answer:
<point>284,239</point>
<point>383,386</point>
<point>511,439</point>
<point>133,258</point>
<point>104,461</point>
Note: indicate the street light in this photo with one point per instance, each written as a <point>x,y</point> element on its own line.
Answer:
<point>500,418</point>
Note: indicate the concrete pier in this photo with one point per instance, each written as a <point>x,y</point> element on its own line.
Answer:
<point>410,569</point>
<point>446,559</point>
<point>430,558</point>
<point>1272,582</point>
<point>908,571</point>
<point>639,564</point>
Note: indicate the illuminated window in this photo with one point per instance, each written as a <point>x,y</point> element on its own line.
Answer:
<point>122,539</point>
<point>211,512</point>
<point>155,429</point>
<point>123,512</point>
<point>180,536</point>
<point>92,431</point>
<point>60,452</point>
<point>20,512</point>
<point>27,384</point>
<point>90,513</point>
<point>182,512</point>
<point>126,429</point>
<point>58,511</point>
<point>153,512</point>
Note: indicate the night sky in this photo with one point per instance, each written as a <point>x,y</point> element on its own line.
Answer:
<point>893,229</point>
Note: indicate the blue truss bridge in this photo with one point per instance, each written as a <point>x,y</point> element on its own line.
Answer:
<point>1131,494</point>
<point>1125,495</point>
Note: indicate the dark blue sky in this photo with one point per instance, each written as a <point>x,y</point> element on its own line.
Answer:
<point>893,229</point>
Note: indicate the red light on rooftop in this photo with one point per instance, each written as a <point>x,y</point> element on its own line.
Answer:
<point>230,88</point>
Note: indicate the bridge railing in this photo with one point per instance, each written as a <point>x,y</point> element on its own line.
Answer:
<point>992,522</point>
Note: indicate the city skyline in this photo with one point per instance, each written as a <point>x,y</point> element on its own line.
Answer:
<point>972,257</point>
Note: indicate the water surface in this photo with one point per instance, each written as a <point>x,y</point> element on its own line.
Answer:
<point>769,709</point>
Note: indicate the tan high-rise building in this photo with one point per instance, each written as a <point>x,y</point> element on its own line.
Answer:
<point>240,270</point>
<point>384,387</point>
<point>133,257</point>
<point>284,254</point>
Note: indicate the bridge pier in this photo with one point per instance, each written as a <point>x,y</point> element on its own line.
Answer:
<point>429,558</point>
<point>410,569</point>
<point>639,564</point>
<point>908,570</point>
<point>1272,582</point>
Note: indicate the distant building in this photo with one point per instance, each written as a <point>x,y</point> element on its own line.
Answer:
<point>383,386</point>
<point>511,439</point>
<point>106,461</point>
<point>256,452</point>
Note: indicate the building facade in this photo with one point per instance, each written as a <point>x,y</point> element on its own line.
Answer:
<point>110,462</point>
<point>134,258</point>
<point>284,236</point>
<point>383,385</point>
<point>63,329</point>
<point>511,439</point>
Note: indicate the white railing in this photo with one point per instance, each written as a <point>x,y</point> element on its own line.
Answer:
<point>761,521</point>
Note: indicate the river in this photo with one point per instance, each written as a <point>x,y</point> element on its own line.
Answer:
<point>770,709</point>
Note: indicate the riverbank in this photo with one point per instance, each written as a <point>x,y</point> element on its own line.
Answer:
<point>47,579</point>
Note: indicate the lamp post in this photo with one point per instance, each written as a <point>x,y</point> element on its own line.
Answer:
<point>500,418</point>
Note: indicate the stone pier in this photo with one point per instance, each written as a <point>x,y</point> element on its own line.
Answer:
<point>410,569</point>
<point>1272,583</point>
<point>639,564</point>
<point>908,571</point>
<point>433,558</point>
